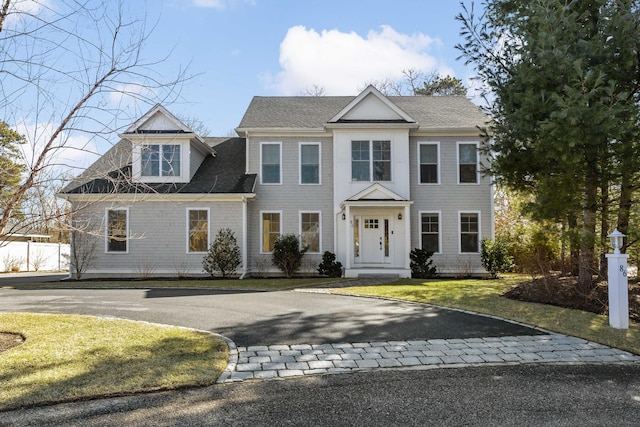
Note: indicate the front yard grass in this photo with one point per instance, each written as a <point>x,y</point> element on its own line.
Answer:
<point>271,284</point>
<point>483,296</point>
<point>70,357</point>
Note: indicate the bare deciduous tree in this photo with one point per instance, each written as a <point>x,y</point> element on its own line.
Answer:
<point>83,252</point>
<point>71,74</point>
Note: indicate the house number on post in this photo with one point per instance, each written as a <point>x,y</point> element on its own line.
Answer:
<point>618,283</point>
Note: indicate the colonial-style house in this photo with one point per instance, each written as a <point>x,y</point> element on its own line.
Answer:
<point>368,178</point>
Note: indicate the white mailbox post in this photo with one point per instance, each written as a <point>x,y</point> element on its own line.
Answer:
<point>618,283</point>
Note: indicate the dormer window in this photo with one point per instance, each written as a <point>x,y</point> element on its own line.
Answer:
<point>160,160</point>
<point>163,149</point>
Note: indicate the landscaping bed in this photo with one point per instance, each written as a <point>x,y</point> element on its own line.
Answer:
<point>563,291</point>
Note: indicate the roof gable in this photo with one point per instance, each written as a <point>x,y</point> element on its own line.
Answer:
<point>376,191</point>
<point>371,106</point>
<point>158,120</point>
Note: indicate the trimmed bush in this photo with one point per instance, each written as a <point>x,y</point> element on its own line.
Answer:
<point>223,255</point>
<point>495,257</point>
<point>287,254</point>
<point>421,265</point>
<point>329,266</point>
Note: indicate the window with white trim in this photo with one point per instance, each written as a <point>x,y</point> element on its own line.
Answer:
<point>160,160</point>
<point>371,160</point>
<point>310,231</point>
<point>430,231</point>
<point>428,163</point>
<point>467,163</point>
<point>117,230</point>
<point>309,163</point>
<point>469,232</point>
<point>271,228</point>
<point>271,160</point>
<point>198,230</point>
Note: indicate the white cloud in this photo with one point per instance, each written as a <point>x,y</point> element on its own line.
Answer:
<point>71,153</point>
<point>22,10</point>
<point>343,62</point>
<point>31,7</point>
<point>130,95</point>
<point>218,4</point>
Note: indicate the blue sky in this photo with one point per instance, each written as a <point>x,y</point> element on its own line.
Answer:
<point>234,50</point>
<point>241,48</point>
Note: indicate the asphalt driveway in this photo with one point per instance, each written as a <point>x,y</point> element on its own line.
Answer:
<point>268,318</point>
<point>523,395</point>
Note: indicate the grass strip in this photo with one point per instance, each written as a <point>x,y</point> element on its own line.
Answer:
<point>483,296</point>
<point>276,284</point>
<point>69,357</point>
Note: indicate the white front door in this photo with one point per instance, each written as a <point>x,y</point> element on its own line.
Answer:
<point>374,239</point>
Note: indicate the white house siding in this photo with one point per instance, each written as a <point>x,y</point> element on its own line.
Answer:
<point>290,198</point>
<point>157,244</point>
<point>449,198</point>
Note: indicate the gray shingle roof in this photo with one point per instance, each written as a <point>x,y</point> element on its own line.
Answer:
<point>431,112</point>
<point>222,174</point>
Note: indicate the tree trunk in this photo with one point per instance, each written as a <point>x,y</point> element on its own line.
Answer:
<point>604,224</point>
<point>589,220</point>
<point>624,206</point>
<point>574,246</point>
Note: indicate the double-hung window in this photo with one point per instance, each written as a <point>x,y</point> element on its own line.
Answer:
<point>428,163</point>
<point>430,231</point>
<point>309,163</point>
<point>467,163</point>
<point>160,160</point>
<point>371,160</point>
<point>469,232</point>
<point>270,230</point>
<point>197,230</point>
<point>310,231</point>
<point>271,160</point>
<point>117,230</point>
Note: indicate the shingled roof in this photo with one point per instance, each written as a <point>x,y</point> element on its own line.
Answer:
<point>314,112</point>
<point>222,174</point>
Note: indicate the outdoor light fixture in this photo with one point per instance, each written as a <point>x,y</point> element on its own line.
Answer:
<point>400,216</point>
<point>617,241</point>
<point>344,216</point>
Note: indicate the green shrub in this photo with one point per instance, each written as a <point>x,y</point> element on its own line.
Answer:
<point>495,257</point>
<point>287,254</point>
<point>421,265</point>
<point>223,255</point>
<point>329,266</point>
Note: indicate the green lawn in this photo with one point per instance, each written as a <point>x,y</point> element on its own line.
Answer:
<point>483,296</point>
<point>278,284</point>
<point>68,357</point>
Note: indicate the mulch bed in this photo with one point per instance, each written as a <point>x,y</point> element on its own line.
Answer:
<point>564,291</point>
<point>9,340</point>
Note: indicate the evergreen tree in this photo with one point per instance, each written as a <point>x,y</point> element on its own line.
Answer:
<point>441,86</point>
<point>11,168</point>
<point>562,78</point>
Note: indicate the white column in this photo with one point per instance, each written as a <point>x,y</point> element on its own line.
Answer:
<point>349,238</point>
<point>407,234</point>
<point>618,291</point>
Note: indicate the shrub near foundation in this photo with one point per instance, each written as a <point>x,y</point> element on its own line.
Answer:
<point>287,254</point>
